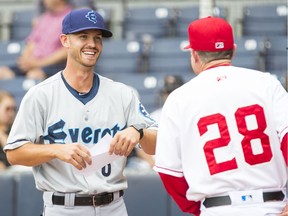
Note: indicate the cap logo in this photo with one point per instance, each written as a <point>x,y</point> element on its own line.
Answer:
<point>91,17</point>
<point>219,45</point>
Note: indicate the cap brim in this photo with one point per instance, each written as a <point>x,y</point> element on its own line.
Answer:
<point>105,32</point>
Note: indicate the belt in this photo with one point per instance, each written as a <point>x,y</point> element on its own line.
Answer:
<point>225,200</point>
<point>92,200</point>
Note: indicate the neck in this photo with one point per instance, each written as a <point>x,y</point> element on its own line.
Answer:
<point>79,80</point>
<point>216,63</point>
<point>3,127</point>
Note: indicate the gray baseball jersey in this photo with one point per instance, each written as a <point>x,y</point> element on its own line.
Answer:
<point>53,112</point>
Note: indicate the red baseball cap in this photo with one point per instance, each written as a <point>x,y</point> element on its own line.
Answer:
<point>210,34</point>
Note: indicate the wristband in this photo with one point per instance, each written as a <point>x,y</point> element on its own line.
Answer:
<point>140,131</point>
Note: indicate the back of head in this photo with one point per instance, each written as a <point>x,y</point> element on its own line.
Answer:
<point>210,34</point>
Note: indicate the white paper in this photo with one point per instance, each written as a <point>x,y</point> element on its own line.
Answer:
<point>100,156</point>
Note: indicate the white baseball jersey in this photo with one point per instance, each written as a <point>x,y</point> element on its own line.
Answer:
<point>53,112</point>
<point>222,132</point>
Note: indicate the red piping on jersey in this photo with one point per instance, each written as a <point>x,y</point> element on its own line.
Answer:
<point>284,148</point>
<point>169,169</point>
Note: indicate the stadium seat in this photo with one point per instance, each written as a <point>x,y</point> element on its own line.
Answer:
<point>17,87</point>
<point>21,23</point>
<point>153,21</point>
<point>183,18</point>
<point>7,199</point>
<point>276,57</point>
<point>265,20</point>
<point>120,56</point>
<point>185,15</point>
<point>250,52</point>
<point>106,13</point>
<point>10,51</point>
<point>29,199</point>
<point>146,85</point>
<point>167,55</point>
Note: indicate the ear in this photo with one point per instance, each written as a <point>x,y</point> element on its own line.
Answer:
<point>195,56</point>
<point>64,40</point>
<point>234,50</point>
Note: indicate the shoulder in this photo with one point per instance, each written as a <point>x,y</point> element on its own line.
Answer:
<point>44,86</point>
<point>113,85</point>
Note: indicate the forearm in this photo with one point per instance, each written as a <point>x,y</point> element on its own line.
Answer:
<point>28,50</point>
<point>31,154</point>
<point>178,193</point>
<point>58,56</point>
<point>3,138</point>
<point>284,148</point>
<point>148,142</point>
<point>149,158</point>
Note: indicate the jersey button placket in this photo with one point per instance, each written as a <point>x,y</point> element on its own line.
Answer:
<point>86,115</point>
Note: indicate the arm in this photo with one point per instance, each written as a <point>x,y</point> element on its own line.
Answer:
<point>148,142</point>
<point>31,154</point>
<point>284,148</point>
<point>146,157</point>
<point>179,193</point>
<point>26,62</point>
<point>56,57</point>
<point>285,211</point>
<point>3,138</point>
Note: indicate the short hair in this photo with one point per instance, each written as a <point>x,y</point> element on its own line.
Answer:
<point>207,57</point>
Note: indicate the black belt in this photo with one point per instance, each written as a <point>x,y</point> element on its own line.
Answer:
<point>225,200</point>
<point>93,200</point>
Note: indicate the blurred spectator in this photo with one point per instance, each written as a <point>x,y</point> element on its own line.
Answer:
<point>43,54</point>
<point>171,82</point>
<point>72,3</point>
<point>7,115</point>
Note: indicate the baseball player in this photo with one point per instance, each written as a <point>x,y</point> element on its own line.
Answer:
<point>223,136</point>
<point>65,115</point>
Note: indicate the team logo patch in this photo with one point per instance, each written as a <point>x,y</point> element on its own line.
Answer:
<point>91,17</point>
<point>143,111</point>
<point>247,198</point>
<point>219,45</point>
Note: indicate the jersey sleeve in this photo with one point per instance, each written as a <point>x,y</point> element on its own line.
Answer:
<point>280,115</point>
<point>27,124</point>
<point>280,106</point>
<point>168,154</point>
<point>136,113</point>
<point>179,193</point>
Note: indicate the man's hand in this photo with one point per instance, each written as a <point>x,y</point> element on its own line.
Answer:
<point>285,211</point>
<point>76,154</point>
<point>124,141</point>
<point>26,63</point>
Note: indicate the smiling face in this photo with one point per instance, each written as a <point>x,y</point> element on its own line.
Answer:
<point>84,48</point>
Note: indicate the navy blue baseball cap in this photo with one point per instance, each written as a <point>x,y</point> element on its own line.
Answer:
<point>84,19</point>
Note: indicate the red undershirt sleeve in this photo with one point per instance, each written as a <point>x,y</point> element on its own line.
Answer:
<point>177,188</point>
<point>284,147</point>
